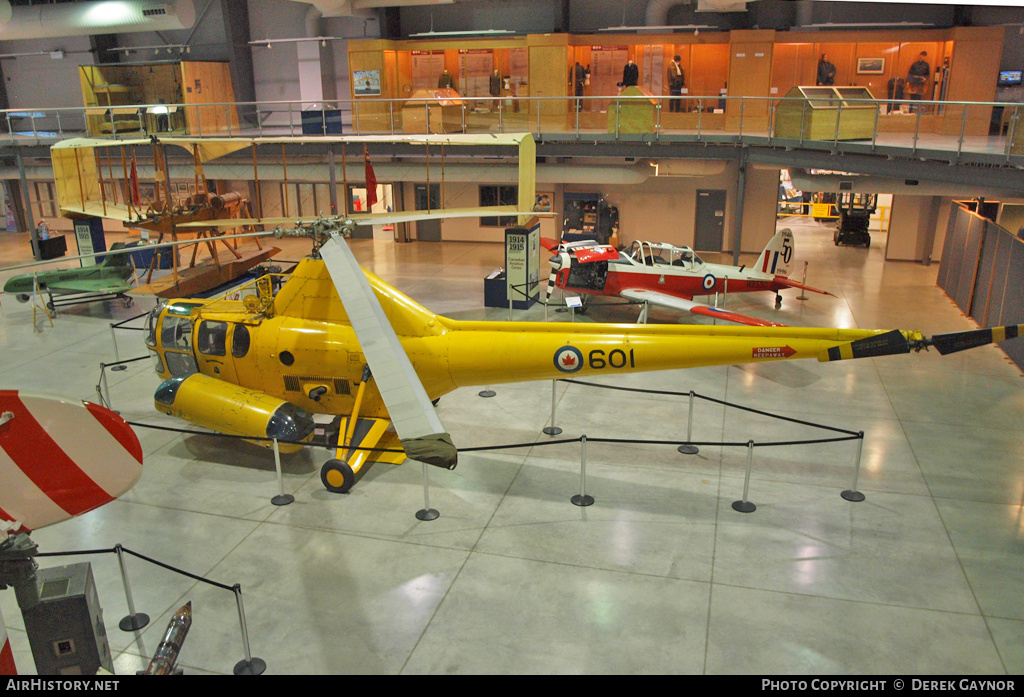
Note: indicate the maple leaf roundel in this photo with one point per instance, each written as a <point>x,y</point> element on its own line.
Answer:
<point>568,359</point>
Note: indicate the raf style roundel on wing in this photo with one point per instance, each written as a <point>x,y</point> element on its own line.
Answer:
<point>568,359</point>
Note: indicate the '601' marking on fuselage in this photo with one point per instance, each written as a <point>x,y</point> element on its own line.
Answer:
<point>568,359</point>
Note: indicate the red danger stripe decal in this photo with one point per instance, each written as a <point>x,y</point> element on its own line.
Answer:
<point>49,468</point>
<point>7,666</point>
<point>117,428</point>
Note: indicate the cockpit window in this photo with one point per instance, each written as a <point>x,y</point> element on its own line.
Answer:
<point>151,322</point>
<point>176,333</point>
<point>212,338</point>
<point>180,363</point>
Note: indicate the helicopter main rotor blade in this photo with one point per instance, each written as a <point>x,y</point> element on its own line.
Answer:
<point>409,407</point>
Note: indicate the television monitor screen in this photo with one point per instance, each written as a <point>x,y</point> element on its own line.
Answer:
<point>1010,77</point>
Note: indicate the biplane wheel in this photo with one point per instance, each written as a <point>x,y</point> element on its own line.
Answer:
<point>50,305</point>
<point>128,302</point>
<point>23,298</point>
<point>337,476</point>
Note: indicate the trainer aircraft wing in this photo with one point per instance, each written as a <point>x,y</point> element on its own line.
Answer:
<point>683,304</point>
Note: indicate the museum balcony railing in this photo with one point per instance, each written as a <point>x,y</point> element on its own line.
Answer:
<point>984,132</point>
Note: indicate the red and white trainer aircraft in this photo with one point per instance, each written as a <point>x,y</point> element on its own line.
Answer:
<point>670,276</point>
<point>59,458</point>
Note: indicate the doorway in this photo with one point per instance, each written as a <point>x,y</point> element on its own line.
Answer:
<point>709,220</point>
<point>428,230</point>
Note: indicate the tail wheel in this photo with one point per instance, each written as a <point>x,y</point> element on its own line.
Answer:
<point>337,476</point>
<point>778,302</point>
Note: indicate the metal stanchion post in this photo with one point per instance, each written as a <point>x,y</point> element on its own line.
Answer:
<point>488,392</point>
<point>282,499</point>
<point>426,513</point>
<point>249,666</point>
<point>852,494</point>
<point>687,448</point>
<point>803,291</point>
<point>134,620</point>
<point>113,339</point>
<point>552,430</point>
<point>745,506</point>
<point>582,499</point>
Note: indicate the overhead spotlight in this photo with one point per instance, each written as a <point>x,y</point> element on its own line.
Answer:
<point>696,32</point>
<point>270,45</point>
<point>323,42</point>
<point>188,49</point>
<point>126,52</point>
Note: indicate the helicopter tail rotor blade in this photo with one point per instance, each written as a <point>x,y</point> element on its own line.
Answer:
<point>897,342</point>
<point>961,341</point>
<point>887,344</point>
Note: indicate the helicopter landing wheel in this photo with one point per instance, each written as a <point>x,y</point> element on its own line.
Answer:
<point>337,476</point>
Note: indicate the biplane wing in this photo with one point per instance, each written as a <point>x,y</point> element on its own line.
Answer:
<point>372,218</point>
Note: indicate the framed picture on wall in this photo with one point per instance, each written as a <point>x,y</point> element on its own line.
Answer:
<point>870,66</point>
<point>542,202</point>
<point>366,83</point>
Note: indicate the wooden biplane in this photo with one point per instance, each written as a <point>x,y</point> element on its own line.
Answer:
<point>98,178</point>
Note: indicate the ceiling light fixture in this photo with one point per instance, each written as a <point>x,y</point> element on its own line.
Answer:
<point>269,43</point>
<point>665,28</point>
<point>182,48</point>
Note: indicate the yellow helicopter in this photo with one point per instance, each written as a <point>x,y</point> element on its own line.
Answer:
<point>335,339</point>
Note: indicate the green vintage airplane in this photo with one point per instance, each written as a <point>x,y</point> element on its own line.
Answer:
<point>110,278</point>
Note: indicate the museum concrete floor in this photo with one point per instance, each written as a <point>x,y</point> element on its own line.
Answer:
<point>659,575</point>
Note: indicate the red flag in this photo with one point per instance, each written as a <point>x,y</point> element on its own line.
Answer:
<point>133,179</point>
<point>371,181</point>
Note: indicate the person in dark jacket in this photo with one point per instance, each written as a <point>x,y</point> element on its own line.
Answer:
<point>676,82</point>
<point>826,71</point>
<point>630,74</point>
<point>917,76</point>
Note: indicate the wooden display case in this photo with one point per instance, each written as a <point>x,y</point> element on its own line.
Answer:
<point>444,107</point>
<point>635,113</point>
<point>826,113</point>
